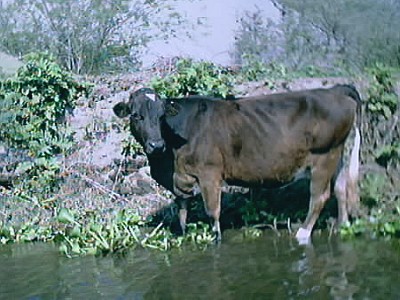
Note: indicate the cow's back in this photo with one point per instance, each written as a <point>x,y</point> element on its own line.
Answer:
<point>266,138</point>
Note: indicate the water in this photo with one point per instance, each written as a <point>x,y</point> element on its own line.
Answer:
<point>270,267</point>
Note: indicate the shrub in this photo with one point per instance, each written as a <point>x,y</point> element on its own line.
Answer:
<point>381,97</point>
<point>195,78</point>
<point>33,107</point>
<point>253,70</point>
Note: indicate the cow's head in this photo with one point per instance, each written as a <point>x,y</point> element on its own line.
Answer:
<point>146,111</point>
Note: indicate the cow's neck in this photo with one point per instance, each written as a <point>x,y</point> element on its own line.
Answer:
<point>170,135</point>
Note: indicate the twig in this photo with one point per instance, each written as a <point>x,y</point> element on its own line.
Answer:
<point>289,226</point>
<point>116,178</point>
<point>101,187</point>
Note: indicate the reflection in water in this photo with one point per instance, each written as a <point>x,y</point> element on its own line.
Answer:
<point>268,268</point>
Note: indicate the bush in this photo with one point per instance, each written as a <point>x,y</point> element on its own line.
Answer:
<point>254,69</point>
<point>381,107</point>
<point>195,78</point>
<point>382,101</point>
<point>33,108</point>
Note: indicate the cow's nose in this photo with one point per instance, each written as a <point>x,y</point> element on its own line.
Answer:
<point>155,147</point>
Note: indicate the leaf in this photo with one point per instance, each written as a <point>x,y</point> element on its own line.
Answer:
<point>65,216</point>
<point>386,112</point>
<point>75,232</point>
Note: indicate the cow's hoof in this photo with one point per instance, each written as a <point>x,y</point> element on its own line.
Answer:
<point>303,236</point>
<point>217,238</point>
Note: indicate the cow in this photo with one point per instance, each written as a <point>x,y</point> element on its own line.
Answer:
<point>197,143</point>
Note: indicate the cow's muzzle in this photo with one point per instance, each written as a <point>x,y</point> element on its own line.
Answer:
<point>153,147</point>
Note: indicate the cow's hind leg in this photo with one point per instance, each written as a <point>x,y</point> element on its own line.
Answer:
<point>210,186</point>
<point>322,171</point>
<point>340,190</point>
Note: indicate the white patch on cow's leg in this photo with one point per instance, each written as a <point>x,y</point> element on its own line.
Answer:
<point>217,231</point>
<point>182,214</point>
<point>341,196</point>
<point>317,203</point>
<point>182,219</point>
<point>303,236</point>
<point>321,174</point>
<point>211,193</point>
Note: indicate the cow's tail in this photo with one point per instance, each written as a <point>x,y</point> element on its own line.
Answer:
<point>350,187</point>
<point>352,195</point>
<point>353,198</point>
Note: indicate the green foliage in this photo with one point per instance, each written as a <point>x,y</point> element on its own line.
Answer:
<point>126,231</point>
<point>195,78</point>
<point>381,97</point>
<point>42,94</point>
<point>130,147</point>
<point>255,212</point>
<point>384,215</point>
<point>199,234</point>
<point>381,107</point>
<point>372,188</point>
<point>388,153</point>
<point>89,234</point>
<point>33,108</point>
<point>254,69</point>
<point>378,224</point>
<point>26,233</point>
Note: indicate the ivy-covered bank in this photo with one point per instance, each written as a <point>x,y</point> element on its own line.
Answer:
<point>51,190</point>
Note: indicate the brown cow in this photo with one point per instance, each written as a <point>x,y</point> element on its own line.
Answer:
<point>265,141</point>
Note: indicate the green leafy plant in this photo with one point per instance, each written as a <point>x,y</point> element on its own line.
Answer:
<point>33,109</point>
<point>195,78</point>
<point>383,218</point>
<point>388,153</point>
<point>378,224</point>
<point>254,69</point>
<point>126,231</point>
<point>371,189</point>
<point>130,147</point>
<point>381,97</point>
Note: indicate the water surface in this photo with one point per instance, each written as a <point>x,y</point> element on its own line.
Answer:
<point>270,267</point>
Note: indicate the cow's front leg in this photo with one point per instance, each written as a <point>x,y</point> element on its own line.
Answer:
<point>210,186</point>
<point>183,189</point>
<point>182,204</point>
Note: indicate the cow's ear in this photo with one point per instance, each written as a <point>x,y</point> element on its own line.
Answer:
<point>172,108</point>
<point>122,110</point>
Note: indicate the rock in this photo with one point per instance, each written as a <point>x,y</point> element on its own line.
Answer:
<point>145,172</point>
<point>144,186</point>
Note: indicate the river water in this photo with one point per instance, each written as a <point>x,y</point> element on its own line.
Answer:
<point>269,267</point>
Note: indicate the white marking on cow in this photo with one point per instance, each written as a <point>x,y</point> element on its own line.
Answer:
<point>354,165</point>
<point>152,97</point>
